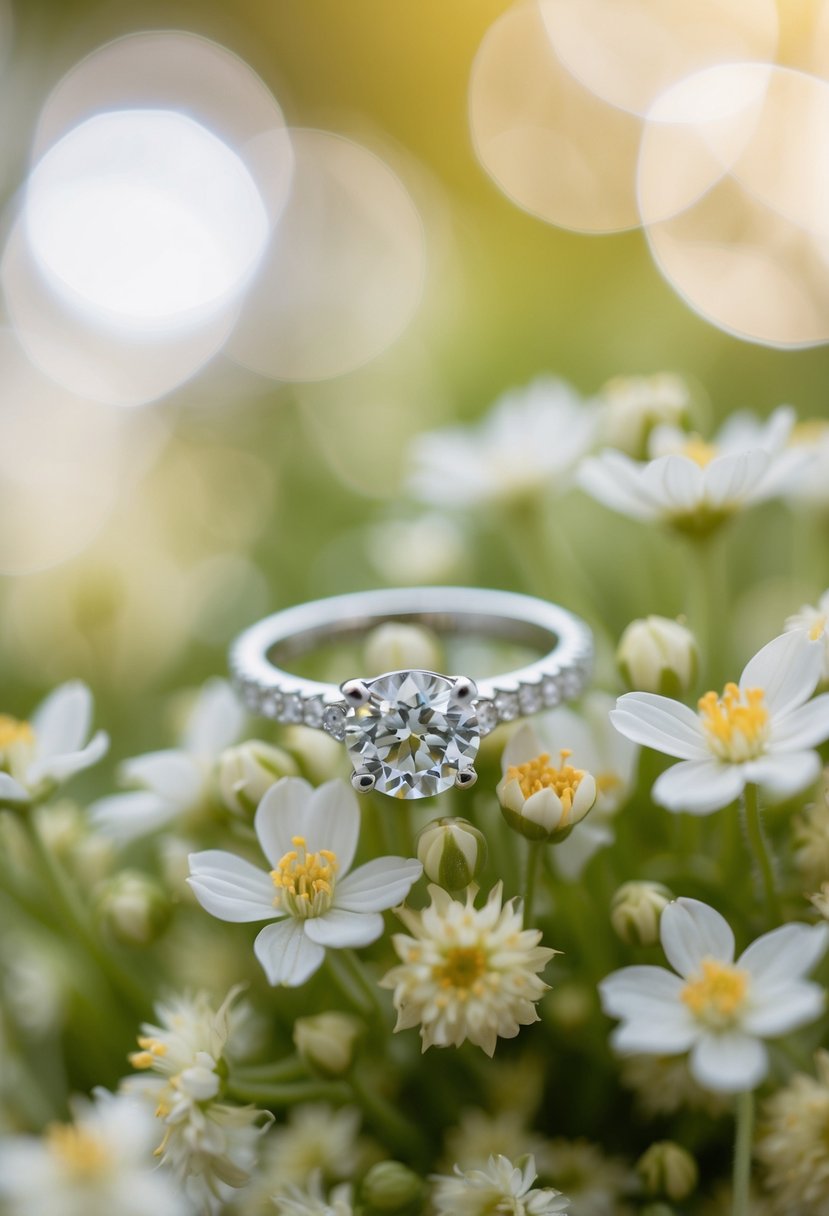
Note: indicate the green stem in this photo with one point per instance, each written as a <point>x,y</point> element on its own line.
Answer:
<point>292,1068</point>
<point>535,854</point>
<point>349,975</point>
<point>757,843</point>
<point>703,605</point>
<point>742,1153</point>
<point>241,1090</point>
<point>400,1134</point>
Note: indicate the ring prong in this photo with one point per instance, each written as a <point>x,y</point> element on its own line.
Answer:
<point>362,780</point>
<point>464,690</point>
<point>466,778</point>
<point>356,692</point>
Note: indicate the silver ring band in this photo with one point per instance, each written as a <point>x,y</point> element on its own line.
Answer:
<point>560,674</point>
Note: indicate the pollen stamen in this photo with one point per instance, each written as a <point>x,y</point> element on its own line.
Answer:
<point>735,724</point>
<point>305,881</point>
<point>539,774</point>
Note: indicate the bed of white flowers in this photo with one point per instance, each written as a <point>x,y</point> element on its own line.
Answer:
<point>595,984</point>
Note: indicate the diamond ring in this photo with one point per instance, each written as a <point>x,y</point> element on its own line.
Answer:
<point>412,734</point>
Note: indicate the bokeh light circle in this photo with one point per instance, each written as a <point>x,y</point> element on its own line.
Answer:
<point>344,272</point>
<point>734,198</point>
<point>629,51</point>
<point>551,145</point>
<point>144,219</point>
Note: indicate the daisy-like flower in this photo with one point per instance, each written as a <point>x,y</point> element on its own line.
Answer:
<point>309,837</point>
<point>717,1009</point>
<point>209,1146</point>
<point>610,759</point>
<point>37,756</point>
<point>694,485</point>
<point>812,489</point>
<point>762,730</point>
<point>99,1164</point>
<point>316,1140</point>
<point>531,441</point>
<point>479,1136</point>
<point>499,1187</point>
<point>467,972</point>
<point>793,1148</point>
<point>175,783</point>
<point>540,799</point>
<point>311,1200</point>
<point>815,620</point>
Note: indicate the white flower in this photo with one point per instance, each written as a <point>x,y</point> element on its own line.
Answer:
<point>35,757</point>
<point>658,655</point>
<point>539,799</point>
<point>694,485</point>
<point>309,837</point>
<point>98,1165</point>
<point>793,1147</point>
<point>531,441</point>
<point>715,1008</point>
<point>175,782</point>
<point>317,1140</point>
<point>466,972</point>
<point>210,1146</point>
<point>762,730</point>
<point>812,488</point>
<point>500,1187</point>
<point>816,623</point>
<point>601,751</point>
<point>632,405</point>
<point>311,1200</point>
<point>479,1136</point>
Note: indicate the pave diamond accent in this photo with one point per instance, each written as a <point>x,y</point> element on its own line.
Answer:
<point>412,735</point>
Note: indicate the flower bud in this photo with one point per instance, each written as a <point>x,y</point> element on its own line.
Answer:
<point>635,911</point>
<point>391,1187</point>
<point>658,655</point>
<point>634,405</point>
<point>452,852</point>
<point>668,1169</point>
<point>395,647</point>
<point>540,800</point>
<point>133,907</point>
<point>327,1042</point>
<point>247,772</point>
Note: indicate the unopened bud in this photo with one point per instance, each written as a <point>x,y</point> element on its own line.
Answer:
<point>635,911</point>
<point>395,647</point>
<point>134,908</point>
<point>668,1169</point>
<point>658,655</point>
<point>634,405</point>
<point>247,772</point>
<point>328,1042</point>
<point>452,852</point>
<point>391,1187</point>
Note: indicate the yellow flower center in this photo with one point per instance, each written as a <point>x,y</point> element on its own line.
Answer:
<point>717,995</point>
<point>16,741</point>
<point>810,431</point>
<point>305,881</point>
<point>699,451</point>
<point>818,627</point>
<point>81,1153</point>
<point>151,1050</point>
<point>539,774</point>
<point>735,724</point>
<point>461,967</point>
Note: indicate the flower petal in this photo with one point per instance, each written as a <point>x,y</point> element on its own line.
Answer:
<point>215,722</point>
<point>62,721</point>
<point>171,774</point>
<point>698,786</point>
<point>230,888</point>
<point>660,723</point>
<point>62,767</point>
<point>287,954</point>
<point>784,955</point>
<point>648,1037</point>
<point>804,727</point>
<point>125,817</point>
<point>676,481</point>
<point>11,790</point>
<point>339,928</point>
<point>632,991</point>
<point>615,480</point>
<point>783,775</point>
<point>377,885</point>
<point>572,855</point>
<point>790,1007</point>
<point>731,478</point>
<point>729,1062</point>
<point>332,821</point>
<point>691,931</point>
<point>279,814</point>
<point>522,746</point>
<point>787,669</point>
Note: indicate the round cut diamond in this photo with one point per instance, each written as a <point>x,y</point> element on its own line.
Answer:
<point>412,735</point>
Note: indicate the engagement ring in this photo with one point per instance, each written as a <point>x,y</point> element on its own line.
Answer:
<point>413,734</point>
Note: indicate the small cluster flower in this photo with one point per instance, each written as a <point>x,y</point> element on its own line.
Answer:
<point>793,1148</point>
<point>38,756</point>
<point>500,1186</point>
